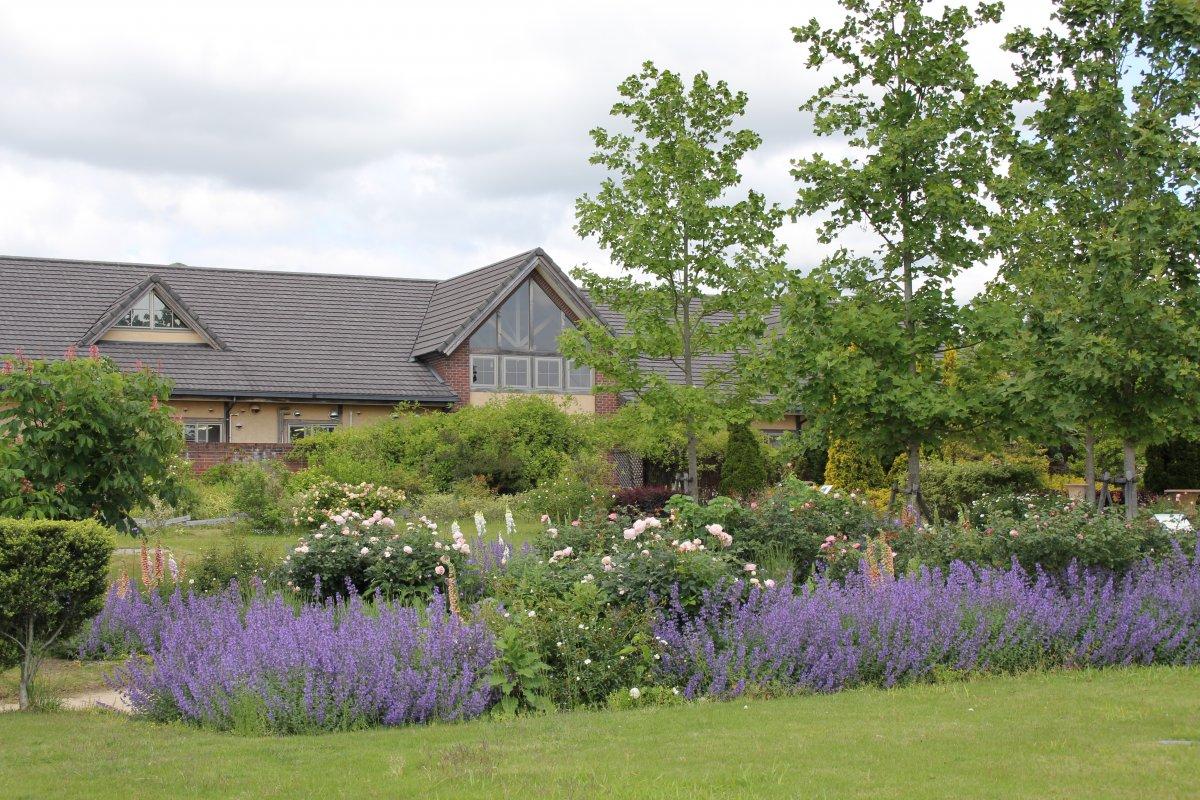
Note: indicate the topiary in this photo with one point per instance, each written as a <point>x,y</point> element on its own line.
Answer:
<point>850,466</point>
<point>52,578</point>
<point>744,470</point>
<point>1174,464</point>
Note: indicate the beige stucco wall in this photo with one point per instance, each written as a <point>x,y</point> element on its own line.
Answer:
<point>571,403</point>
<point>247,426</point>
<point>152,335</point>
<point>789,422</point>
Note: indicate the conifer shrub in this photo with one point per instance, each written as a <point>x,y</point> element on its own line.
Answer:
<point>744,470</point>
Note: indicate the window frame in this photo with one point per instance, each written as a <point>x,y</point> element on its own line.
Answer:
<point>177,323</point>
<point>569,368</point>
<point>504,359</point>
<point>536,375</point>
<point>309,426</point>
<point>495,371</point>
<point>219,424</point>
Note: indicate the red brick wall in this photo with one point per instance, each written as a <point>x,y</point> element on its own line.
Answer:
<point>206,455</point>
<point>606,402</point>
<point>455,370</point>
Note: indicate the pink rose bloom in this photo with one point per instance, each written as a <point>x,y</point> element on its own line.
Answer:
<point>630,534</point>
<point>407,550</point>
<point>613,516</point>
<point>339,520</point>
<point>1014,532</point>
<point>639,525</point>
<point>856,545</point>
<point>545,518</point>
<point>439,569</point>
<point>575,523</point>
<point>754,505</point>
<point>715,529</point>
<point>769,583</point>
<point>750,567</point>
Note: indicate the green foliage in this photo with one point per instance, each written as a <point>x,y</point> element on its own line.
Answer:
<point>591,645</point>
<point>260,493</point>
<point>700,273</point>
<point>799,523</point>
<point>644,697</point>
<point>1099,301</point>
<point>951,487</point>
<point>519,674</point>
<point>744,470</point>
<point>236,560</point>
<point>52,578</point>
<point>851,467</point>
<point>584,486</point>
<point>79,438</point>
<point>512,445</point>
<point>1051,538</point>
<point>868,330</point>
<point>803,453</point>
<point>1174,464</point>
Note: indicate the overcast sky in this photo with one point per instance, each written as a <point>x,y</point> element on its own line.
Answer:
<point>391,138</point>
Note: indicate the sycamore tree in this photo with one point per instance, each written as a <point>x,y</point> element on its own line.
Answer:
<point>867,330</point>
<point>1103,242</point>
<point>699,269</point>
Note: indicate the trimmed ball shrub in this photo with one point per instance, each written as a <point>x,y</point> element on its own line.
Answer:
<point>950,487</point>
<point>852,467</point>
<point>52,578</point>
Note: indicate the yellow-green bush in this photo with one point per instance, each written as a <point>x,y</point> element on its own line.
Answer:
<point>850,466</point>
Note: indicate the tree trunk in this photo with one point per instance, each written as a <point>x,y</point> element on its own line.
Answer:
<point>1089,468</point>
<point>693,466</point>
<point>914,478</point>
<point>1131,493</point>
<point>28,668</point>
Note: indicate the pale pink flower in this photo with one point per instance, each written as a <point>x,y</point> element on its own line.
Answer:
<point>439,569</point>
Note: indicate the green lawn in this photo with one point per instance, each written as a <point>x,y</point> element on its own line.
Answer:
<point>1080,735</point>
<point>57,678</point>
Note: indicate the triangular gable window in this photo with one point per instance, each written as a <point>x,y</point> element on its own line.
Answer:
<point>151,312</point>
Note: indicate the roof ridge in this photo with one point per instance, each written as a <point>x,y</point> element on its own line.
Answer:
<point>244,270</point>
<point>514,257</point>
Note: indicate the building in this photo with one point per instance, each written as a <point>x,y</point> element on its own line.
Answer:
<point>260,359</point>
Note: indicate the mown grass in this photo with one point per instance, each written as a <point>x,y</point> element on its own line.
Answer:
<point>1101,734</point>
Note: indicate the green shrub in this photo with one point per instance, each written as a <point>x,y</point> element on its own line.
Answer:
<point>1174,464</point>
<point>514,445</point>
<point>236,560</point>
<point>584,486</point>
<point>1047,536</point>
<point>53,575</point>
<point>644,697</point>
<point>951,487</point>
<point>260,494</point>
<point>744,470</point>
<point>851,467</point>
<point>448,507</point>
<point>79,438</point>
<point>798,520</point>
<point>591,646</point>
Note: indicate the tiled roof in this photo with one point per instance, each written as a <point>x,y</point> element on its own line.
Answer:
<point>294,335</point>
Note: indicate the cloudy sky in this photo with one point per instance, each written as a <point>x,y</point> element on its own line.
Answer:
<point>386,138</point>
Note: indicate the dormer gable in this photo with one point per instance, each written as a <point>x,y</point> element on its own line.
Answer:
<point>150,312</point>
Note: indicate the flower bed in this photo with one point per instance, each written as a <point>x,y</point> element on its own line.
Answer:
<point>267,666</point>
<point>830,635</point>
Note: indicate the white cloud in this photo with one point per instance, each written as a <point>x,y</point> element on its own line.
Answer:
<point>375,137</point>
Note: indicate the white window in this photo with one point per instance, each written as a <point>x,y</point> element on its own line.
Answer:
<point>548,373</point>
<point>202,432</point>
<point>516,372</point>
<point>151,312</point>
<point>298,430</point>
<point>483,371</point>
<point>579,378</point>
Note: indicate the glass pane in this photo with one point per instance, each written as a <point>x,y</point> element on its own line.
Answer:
<point>214,433</point>
<point>163,318</point>
<point>516,372</point>
<point>483,371</point>
<point>485,337</point>
<point>125,321</point>
<point>579,377</point>
<point>190,433</point>
<point>139,318</point>
<point>545,320</point>
<point>549,373</point>
<point>156,304</point>
<point>514,320</point>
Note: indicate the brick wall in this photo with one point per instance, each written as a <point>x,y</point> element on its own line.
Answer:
<point>455,370</point>
<point>206,455</point>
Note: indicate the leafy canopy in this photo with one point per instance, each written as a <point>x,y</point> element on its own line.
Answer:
<point>79,438</point>
<point>700,271</point>
<point>867,330</point>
